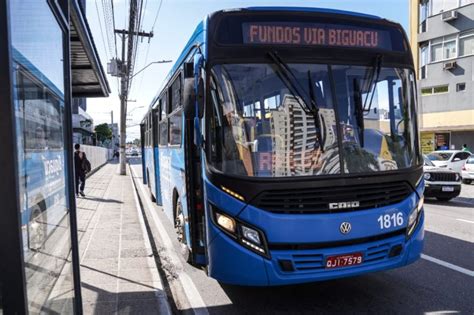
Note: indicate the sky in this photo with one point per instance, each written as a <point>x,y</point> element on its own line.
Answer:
<point>175,22</point>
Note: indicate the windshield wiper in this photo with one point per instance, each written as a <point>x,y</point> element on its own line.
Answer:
<point>358,111</point>
<point>298,92</point>
<point>374,77</point>
<point>315,111</point>
<point>290,81</point>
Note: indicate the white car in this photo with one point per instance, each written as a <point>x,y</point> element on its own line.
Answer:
<point>442,183</point>
<point>450,159</point>
<point>467,171</point>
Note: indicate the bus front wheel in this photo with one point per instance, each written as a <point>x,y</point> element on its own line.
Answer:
<point>181,230</point>
<point>36,229</point>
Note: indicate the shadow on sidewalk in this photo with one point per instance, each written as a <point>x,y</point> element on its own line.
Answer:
<point>127,297</point>
<point>102,200</point>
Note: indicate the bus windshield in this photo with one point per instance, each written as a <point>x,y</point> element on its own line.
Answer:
<point>273,120</point>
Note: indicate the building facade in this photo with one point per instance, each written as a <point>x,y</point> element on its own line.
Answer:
<point>442,40</point>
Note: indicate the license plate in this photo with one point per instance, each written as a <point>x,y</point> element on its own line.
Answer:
<point>447,188</point>
<point>344,260</point>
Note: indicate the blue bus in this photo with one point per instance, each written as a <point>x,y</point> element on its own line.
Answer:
<point>284,146</point>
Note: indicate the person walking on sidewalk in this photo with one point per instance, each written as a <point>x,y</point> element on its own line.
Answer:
<point>82,166</point>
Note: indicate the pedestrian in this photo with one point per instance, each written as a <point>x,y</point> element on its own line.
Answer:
<point>465,148</point>
<point>81,166</point>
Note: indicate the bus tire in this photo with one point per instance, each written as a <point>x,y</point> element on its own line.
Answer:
<point>181,231</point>
<point>36,228</point>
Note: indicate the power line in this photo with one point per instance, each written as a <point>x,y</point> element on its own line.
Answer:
<point>148,46</point>
<point>113,23</point>
<point>108,26</point>
<point>101,31</point>
<point>157,13</point>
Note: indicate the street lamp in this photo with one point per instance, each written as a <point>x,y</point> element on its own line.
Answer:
<point>151,63</point>
<point>130,112</point>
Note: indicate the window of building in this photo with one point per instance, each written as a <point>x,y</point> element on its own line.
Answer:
<point>424,12</point>
<point>449,47</point>
<point>466,43</point>
<point>426,91</point>
<point>424,59</point>
<point>435,90</point>
<point>436,50</point>
<point>460,87</point>
<point>440,89</point>
<point>439,6</point>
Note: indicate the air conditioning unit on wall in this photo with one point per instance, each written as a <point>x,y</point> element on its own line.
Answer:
<point>449,65</point>
<point>449,15</point>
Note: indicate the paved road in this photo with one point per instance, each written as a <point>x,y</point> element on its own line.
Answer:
<point>422,287</point>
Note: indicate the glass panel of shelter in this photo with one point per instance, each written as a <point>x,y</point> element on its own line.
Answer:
<point>38,56</point>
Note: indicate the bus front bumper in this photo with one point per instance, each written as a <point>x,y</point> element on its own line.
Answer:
<point>229,262</point>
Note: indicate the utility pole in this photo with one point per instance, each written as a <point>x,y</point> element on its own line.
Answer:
<point>125,75</point>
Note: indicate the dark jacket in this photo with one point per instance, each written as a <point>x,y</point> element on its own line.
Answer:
<point>79,163</point>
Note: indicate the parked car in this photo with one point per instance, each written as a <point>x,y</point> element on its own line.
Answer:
<point>450,159</point>
<point>442,183</point>
<point>467,172</point>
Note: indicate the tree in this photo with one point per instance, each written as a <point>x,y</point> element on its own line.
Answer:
<point>103,132</point>
<point>137,142</point>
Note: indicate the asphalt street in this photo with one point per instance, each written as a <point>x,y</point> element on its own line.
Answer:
<point>441,282</point>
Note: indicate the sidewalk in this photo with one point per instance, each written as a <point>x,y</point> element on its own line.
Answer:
<point>118,271</point>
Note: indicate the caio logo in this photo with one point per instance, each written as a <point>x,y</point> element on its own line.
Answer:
<point>344,205</point>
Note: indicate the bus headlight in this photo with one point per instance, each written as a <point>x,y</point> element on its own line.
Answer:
<point>247,236</point>
<point>251,235</point>
<point>415,216</point>
<point>225,222</point>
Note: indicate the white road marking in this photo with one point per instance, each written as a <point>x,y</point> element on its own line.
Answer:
<point>192,294</point>
<point>160,294</point>
<point>448,265</point>
<point>462,220</point>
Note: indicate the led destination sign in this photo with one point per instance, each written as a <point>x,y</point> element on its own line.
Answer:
<point>313,34</point>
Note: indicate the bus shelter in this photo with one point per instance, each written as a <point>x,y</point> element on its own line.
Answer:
<point>47,57</point>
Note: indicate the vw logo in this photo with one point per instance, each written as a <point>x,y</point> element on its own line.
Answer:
<point>345,227</point>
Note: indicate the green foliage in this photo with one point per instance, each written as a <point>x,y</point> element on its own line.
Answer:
<point>103,132</point>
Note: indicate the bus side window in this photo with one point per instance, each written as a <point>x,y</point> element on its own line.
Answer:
<point>163,132</point>
<point>175,94</point>
<point>175,128</point>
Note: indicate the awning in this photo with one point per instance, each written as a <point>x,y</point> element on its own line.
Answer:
<point>88,76</point>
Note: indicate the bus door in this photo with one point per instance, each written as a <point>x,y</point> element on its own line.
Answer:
<point>156,156</point>
<point>194,188</point>
<point>142,147</point>
<point>193,174</point>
